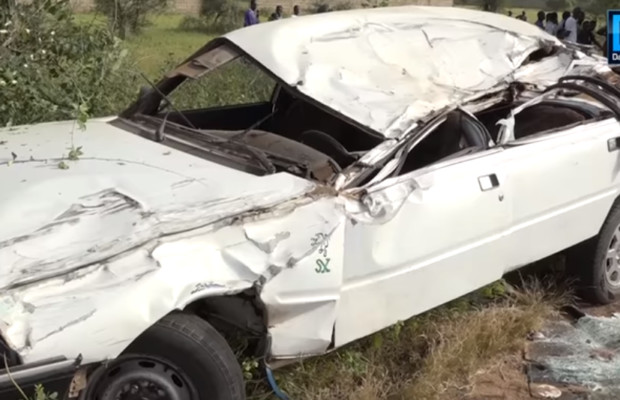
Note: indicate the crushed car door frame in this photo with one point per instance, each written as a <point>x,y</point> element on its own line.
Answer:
<point>554,175</point>
<point>402,216</point>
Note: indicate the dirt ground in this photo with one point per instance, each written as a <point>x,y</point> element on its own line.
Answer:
<point>573,357</point>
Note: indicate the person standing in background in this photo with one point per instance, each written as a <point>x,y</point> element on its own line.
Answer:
<point>509,13</point>
<point>551,25</point>
<point>295,11</point>
<point>251,14</point>
<point>603,32</point>
<point>571,26</point>
<point>580,18</point>
<point>586,34</point>
<point>561,31</point>
<point>277,14</point>
<point>540,21</point>
<point>522,17</point>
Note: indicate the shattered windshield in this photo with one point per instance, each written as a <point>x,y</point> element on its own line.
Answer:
<point>218,78</point>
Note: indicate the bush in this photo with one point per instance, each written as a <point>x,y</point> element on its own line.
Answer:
<point>191,23</point>
<point>216,16</point>
<point>375,3</point>
<point>321,6</point>
<point>558,5</point>
<point>52,68</point>
<point>129,16</point>
<point>492,5</point>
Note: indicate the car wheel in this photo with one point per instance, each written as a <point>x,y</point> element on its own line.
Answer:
<point>597,262</point>
<point>181,357</point>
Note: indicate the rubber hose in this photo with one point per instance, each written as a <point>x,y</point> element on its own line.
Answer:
<point>274,386</point>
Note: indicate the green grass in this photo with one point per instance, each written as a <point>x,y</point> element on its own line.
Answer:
<point>529,12</point>
<point>159,43</point>
<point>163,41</point>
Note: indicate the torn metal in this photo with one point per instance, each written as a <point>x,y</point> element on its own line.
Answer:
<point>387,68</point>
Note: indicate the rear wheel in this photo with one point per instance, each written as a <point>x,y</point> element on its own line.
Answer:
<point>181,357</point>
<point>597,262</point>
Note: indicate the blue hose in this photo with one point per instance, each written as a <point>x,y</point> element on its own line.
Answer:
<point>274,386</point>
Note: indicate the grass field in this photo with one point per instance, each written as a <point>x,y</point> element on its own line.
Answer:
<point>159,43</point>
<point>163,42</point>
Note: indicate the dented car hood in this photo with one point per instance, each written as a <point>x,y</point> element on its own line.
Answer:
<point>386,68</point>
<point>122,192</point>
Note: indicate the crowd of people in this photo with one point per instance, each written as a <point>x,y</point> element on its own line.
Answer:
<point>251,16</point>
<point>572,28</point>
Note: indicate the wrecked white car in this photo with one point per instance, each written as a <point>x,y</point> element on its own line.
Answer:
<point>361,167</point>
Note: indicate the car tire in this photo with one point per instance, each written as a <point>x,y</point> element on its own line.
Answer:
<point>182,356</point>
<point>596,263</point>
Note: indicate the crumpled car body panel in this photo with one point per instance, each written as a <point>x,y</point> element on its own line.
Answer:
<point>101,235</point>
<point>388,67</point>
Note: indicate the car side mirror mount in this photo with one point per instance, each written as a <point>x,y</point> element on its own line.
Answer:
<point>144,92</point>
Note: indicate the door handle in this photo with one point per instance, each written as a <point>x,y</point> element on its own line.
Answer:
<point>488,182</point>
<point>613,144</point>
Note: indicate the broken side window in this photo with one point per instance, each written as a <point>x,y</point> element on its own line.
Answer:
<point>459,135</point>
<point>235,82</point>
<point>572,101</point>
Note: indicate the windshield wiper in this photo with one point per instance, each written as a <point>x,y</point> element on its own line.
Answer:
<point>160,134</point>
<point>242,134</point>
<point>258,155</point>
<point>184,133</point>
<point>169,103</point>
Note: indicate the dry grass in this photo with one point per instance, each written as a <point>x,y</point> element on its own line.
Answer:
<point>430,356</point>
<point>464,343</point>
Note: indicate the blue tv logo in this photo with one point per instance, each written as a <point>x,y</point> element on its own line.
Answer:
<point>613,37</point>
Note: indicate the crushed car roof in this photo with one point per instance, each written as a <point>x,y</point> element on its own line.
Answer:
<point>386,68</point>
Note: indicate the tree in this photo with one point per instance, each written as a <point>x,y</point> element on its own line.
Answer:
<point>558,5</point>
<point>600,7</point>
<point>129,16</point>
<point>492,5</point>
<point>52,68</point>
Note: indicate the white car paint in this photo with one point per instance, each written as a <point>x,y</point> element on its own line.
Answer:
<point>111,221</point>
<point>576,183</point>
<point>388,67</point>
<point>443,240</point>
<point>92,255</point>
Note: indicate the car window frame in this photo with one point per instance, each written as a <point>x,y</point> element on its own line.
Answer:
<point>270,100</point>
<point>553,133</point>
<point>506,137</point>
<point>411,142</point>
<point>418,140</point>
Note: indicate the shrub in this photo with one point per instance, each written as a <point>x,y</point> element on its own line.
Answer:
<point>192,23</point>
<point>52,68</point>
<point>129,16</point>
<point>557,5</point>
<point>321,6</point>
<point>492,5</point>
<point>216,16</point>
<point>342,5</point>
<point>375,3</point>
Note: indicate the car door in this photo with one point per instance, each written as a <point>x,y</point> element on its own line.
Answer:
<point>422,239</point>
<point>562,184</point>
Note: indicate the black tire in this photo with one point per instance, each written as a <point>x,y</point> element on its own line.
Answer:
<point>592,265</point>
<point>195,358</point>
